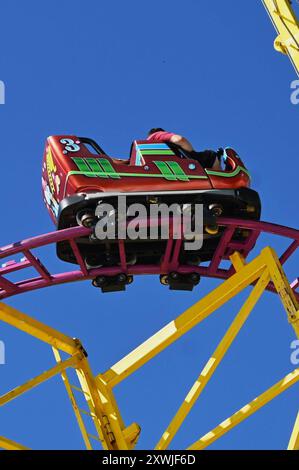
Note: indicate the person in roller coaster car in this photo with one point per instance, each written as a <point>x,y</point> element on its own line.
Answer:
<point>207,158</point>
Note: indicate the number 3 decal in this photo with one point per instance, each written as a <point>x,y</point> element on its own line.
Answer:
<point>70,145</point>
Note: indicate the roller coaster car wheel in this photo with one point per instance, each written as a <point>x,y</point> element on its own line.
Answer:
<point>99,281</point>
<point>86,218</point>
<point>177,281</point>
<point>174,276</point>
<point>130,279</point>
<point>212,229</point>
<point>194,278</point>
<point>112,283</point>
<point>164,279</point>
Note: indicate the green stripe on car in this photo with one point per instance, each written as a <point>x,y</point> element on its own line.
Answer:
<point>108,168</point>
<point>157,152</point>
<point>169,170</point>
<point>178,171</point>
<point>165,170</point>
<point>96,167</point>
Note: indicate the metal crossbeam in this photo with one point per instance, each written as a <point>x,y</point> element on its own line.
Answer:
<point>37,329</point>
<point>246,411</point>
<point>8,444</point>
<point>20,390</point>
<point>213,362</point>
<point>72,398</point>
<point>294,441</point>
<point>190,318</point>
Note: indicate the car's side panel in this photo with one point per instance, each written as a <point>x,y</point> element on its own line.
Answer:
<point>70,168</point>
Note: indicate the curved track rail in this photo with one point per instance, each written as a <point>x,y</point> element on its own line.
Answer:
<point>169,263</point>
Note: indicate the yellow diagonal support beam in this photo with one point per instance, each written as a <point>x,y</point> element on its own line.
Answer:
<point>8,444</point>
<point>294,441</point>
<point>105,412</point>
<point>185,322</point>
<point>213,362</point>
<point>131,433</point>
<point>287,26</point>
<point>16,392</point>
<point>282,287</point>
<point>107,422</point>
<point>37,329</point>
<point>237,260</point>
<point>72,398</point>
<point>246,411</point>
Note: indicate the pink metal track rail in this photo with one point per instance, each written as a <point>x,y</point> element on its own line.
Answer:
<point>170,261</point>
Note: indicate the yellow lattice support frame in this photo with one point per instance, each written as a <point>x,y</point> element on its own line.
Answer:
<point>110,430</point>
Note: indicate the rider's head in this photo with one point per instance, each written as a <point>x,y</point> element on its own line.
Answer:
<point>155,129</point>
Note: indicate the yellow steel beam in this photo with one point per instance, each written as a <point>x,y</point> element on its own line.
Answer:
<point>237,260</point>
<point>287,26</point>
<point>107,421</point>
<point>294,441</point>
<point>282,287</point>
<point>104,410</point>
<point>8,444</point>
<point>246,411</point>
<point>131,433</point>
<point>213,362</point>
<point>59,341</point>
<point>185,322</point>
<point>37,329</point>
<point>73,402</point>
<point>57,369</point>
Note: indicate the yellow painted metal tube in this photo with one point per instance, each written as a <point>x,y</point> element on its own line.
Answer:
<point>246,411</point>
<point>37,329</point>
<point>73,402</point>
<point>57,369</point>
<point>287,26</point>
<point>282,287</point>
<point>8,444</point>
<point>185,322</point>
<point>108,423</point>
<point>213,362</point>
<point>294,441</point>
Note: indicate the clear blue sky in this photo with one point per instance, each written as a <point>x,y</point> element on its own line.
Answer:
<point>111,70</point>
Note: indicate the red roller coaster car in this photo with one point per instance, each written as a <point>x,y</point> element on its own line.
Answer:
<point>78,176</point>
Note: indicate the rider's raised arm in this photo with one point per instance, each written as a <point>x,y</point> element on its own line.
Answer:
<point>181,142</point>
